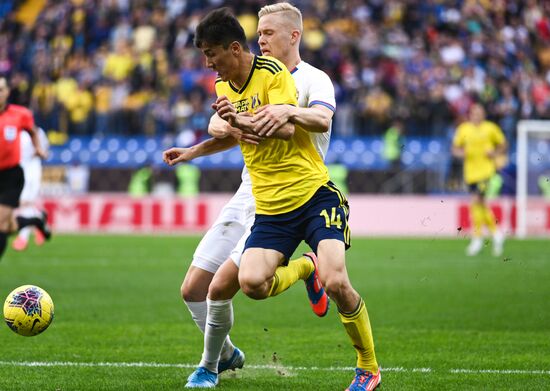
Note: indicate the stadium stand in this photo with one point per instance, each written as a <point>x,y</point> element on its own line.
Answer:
<point>113,82</point>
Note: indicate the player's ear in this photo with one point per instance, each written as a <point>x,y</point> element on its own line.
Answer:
<point>235,48</point>
<point>295,37</point>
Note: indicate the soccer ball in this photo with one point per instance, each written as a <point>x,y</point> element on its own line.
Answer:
<point>28,310</point>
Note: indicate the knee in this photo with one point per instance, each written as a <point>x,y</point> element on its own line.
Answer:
<point>188,293</point>
<point>216,291</point>
<point>185,292</point>
<point>253,288</point>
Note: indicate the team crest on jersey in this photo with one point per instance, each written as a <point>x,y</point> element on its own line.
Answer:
<point>241,105</point>
<point>256,102</point>
<point>10,133</point>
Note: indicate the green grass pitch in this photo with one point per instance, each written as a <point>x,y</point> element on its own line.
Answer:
<point>441,321</point>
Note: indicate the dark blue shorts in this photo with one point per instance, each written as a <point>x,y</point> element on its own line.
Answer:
<point>324,216</point>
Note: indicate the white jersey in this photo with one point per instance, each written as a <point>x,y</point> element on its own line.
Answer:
<point>228,235</point>
<point>315,88</point>
<point>32,165</point>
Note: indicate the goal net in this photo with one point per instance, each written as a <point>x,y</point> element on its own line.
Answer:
<point>533,178</point>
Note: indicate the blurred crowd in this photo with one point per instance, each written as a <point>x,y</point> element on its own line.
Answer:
<point>129,67</point>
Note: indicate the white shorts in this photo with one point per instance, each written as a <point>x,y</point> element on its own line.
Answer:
<point>237,252</point>
<point>33,178</point>
<point>225,237</point>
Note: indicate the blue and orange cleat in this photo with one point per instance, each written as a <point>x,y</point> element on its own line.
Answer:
<point>235,362</point>
<point>318,298</point>
<point>365,381</point>
<point>202,378</point>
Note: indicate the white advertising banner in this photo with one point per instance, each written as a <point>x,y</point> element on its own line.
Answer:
<point>369,215</point>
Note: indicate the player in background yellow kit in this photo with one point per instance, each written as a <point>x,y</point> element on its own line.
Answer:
<point>479,143</point>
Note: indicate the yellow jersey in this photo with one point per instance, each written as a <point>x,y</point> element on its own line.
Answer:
<point>284,174</point>
<point>477,142</point>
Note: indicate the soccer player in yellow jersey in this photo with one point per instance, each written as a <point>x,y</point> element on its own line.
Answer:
<point>295,200</point>
<point>480,142</point>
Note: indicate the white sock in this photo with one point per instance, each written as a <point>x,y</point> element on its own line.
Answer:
<point>199,310</point>
<point>218,324</point>
<point>29,211</point>
<point>25,233</point>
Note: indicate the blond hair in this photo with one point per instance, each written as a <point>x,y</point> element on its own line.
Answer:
<point>289,12</point>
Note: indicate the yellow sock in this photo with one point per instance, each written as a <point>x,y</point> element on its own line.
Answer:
<point>489,218</point>
<point>286,276</point>
<point>357,326</point>
<point>478,218</point>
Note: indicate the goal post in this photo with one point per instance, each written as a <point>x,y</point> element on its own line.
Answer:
<point>532,162</point>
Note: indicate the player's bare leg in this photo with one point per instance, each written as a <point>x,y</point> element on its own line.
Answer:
<point>256,271</point>
<point>225,284</point>
<point>352,309</point>
<point>195,284</point>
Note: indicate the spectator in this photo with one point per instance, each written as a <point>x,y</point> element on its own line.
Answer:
<point>386,57</point>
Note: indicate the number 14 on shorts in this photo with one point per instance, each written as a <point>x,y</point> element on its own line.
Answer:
<point>334,218</point>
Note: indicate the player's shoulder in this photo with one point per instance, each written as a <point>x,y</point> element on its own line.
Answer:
<point>312,75</point>
<point>464,126</point>
<point>268,64</point>
<point>490,124</point>
<point>310,69</point>
<point>18,109</point>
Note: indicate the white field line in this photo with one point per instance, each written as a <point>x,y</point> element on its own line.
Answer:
<point>264,367</point>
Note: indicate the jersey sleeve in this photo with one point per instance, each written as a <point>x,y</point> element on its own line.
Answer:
<point>321,92</point>
<point>282,90</point>
<point>497,135</point>
<point>27,119</point>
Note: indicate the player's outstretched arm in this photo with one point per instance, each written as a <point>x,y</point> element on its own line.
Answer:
<point>176,155</point>
<point>269,118</point>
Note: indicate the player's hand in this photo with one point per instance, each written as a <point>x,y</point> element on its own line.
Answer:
<point>174,156</point>
<point>41,154</point>
<point>225,109</point>
<point>245,137</point>
<point>267,119</point>
<point>241,134</point>
<point>491,154</point>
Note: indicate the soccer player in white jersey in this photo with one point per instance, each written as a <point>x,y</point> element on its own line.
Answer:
<point>316,98</point>
<point>32,169</point>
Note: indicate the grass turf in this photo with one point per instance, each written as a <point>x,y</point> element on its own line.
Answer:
<point>433,311</point>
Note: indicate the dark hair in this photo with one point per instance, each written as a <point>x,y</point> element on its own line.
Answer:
<point>220,27</point>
